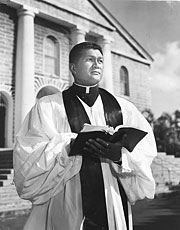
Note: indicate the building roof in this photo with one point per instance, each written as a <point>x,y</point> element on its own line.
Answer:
<point>109,21</point>
<point>128,37</point>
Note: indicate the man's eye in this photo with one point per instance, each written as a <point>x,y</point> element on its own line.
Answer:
<point>101,61</point>
<point>89,59</point>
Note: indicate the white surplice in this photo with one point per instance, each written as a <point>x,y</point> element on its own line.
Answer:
<point>47,176</point>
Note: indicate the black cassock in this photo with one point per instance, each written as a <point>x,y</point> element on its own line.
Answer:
<point>92,185</point>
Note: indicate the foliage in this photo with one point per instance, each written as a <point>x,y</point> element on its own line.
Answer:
<point>166,130</point>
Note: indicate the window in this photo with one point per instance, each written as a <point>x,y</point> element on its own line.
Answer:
<point>124,81</point>
<point>51,55</point>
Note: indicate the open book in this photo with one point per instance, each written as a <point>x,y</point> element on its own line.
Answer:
<point>132,136</point>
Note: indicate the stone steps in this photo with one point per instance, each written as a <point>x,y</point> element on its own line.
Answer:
<point>6,166</point>
<point>6,179</point>
<point>14,206</point>
<point>166,171</point>
<point>9,199</point>
<point>6,171</point>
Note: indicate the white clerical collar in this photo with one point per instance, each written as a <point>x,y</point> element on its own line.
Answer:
<point>86,87</point>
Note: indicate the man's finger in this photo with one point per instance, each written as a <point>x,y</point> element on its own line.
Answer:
<point>105,144</point>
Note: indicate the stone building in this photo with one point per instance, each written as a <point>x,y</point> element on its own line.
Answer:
<point>35,39</point>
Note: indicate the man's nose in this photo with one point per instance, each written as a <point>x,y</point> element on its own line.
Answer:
<point>97,64</point>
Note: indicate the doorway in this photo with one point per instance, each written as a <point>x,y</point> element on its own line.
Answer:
<point>2,121</point>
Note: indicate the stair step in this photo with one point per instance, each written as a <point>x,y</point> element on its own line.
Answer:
<point>10,201</point>
<point>4,151</point>
<point>11,187</point>
<point>6,171</point>
<point>20,205</point>
<point>5,159</point>
<point>6,165</point>
<point>7,192</point>
<point>2,154</point>
<point>8,189</point>
<point>5,208</point>
<point>6,176</point>
<point>6,182</point>
<point>14,199</point>
<point>6,197</point>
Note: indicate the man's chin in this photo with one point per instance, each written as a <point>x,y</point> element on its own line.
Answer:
<point>97,78</point>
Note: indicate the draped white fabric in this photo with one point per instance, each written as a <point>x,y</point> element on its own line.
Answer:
<point>44,172</point>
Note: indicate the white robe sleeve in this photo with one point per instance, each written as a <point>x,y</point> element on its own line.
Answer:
<point>135,174</point>
<point>41,161</point>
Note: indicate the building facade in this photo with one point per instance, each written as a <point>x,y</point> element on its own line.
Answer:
<point>35,39</point>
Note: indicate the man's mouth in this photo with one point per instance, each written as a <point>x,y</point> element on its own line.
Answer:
<point>95,72</point>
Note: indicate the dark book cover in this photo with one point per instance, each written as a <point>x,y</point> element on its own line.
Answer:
<point>130,140</point>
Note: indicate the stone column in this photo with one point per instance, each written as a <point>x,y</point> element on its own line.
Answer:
<point>107,81</point>
<point>78,35</point>
<point>24,75</point>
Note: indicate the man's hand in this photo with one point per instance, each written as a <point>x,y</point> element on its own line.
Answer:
<point>100,148</point>
<point>72,142</point>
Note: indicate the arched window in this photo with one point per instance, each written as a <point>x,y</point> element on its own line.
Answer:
<point>124,81</point>
<point>51,55</point>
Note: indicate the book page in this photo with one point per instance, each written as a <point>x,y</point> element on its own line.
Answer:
<point>125,126</point>
<point>92,128</point>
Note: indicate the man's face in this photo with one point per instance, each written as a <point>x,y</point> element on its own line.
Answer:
<point>89,68</point>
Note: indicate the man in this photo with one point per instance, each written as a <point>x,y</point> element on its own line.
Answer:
<point>93,189</point>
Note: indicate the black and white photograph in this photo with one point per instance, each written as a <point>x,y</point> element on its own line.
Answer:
<point>89,115</point>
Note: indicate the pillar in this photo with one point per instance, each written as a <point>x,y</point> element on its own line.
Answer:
<point>107,81</point>
<point>78,35</point>
<point>24,75</point>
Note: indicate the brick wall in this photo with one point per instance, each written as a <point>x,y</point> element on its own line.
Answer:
<point>139,83</point>
<point>140,93</point>
<point>138,72</point>
<point>7,44</point>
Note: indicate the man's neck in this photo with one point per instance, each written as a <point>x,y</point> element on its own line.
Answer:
<point>86,87</point>
<point>88,94</point>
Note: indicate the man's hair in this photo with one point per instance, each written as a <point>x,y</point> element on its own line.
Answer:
<point>77,50</point>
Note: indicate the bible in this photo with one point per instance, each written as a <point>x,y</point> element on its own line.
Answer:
<point>132,136</point>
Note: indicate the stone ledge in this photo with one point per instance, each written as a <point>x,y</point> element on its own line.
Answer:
<point>16,212</point>
<point>14,207</point>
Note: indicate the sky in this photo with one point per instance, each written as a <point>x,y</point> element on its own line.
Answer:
<point>156,26</point>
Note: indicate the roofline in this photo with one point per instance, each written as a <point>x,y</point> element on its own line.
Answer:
<point>111,19</point>
<point>17,3</point>
<point>114,22</point>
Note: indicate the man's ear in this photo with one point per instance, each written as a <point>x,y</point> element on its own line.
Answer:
<point>72,68</point>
